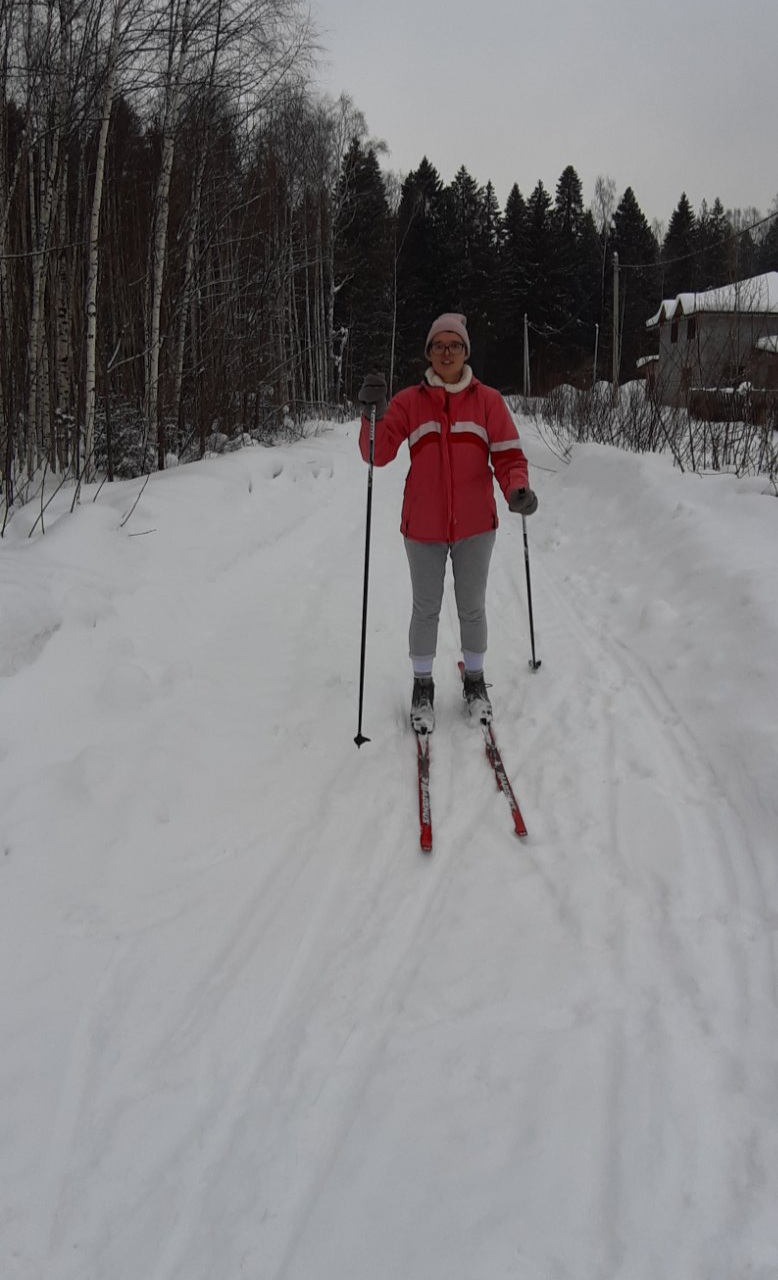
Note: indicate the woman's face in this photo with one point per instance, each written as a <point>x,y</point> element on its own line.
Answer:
<point>447,356</point>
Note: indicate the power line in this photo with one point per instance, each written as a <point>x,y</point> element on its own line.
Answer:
<point>697,253</point>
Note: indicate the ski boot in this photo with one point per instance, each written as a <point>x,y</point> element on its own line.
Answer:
<point>422,713</point>
<point>474,693</point>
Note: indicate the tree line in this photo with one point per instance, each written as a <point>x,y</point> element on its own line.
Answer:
<point>194,245</point>
<point>542,268</point>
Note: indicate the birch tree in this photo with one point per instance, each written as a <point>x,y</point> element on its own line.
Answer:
<point>241,51</point>
<point>179,31</point>
<point>93,243</point>
<point>43,160</point>
<point>9,179</point>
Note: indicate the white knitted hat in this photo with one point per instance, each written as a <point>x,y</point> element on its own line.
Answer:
<point>449,322</point>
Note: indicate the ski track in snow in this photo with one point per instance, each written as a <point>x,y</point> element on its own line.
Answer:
<point>646,829</point>
<point>290,1047</point>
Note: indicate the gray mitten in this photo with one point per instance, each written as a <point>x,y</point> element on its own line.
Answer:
<point>373,392</point>
<point>523,501</point>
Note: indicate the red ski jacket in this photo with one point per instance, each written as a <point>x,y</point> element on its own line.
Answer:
<point>458,442</point>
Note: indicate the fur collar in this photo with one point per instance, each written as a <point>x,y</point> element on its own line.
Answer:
<point>453,387</point>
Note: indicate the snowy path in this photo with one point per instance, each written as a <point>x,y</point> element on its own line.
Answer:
<point>249,1031</point>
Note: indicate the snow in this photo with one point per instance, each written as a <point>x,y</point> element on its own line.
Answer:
<point>248,1029</point>
<point>756,294</point>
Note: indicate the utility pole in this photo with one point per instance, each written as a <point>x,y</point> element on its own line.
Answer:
<point>615,328</point>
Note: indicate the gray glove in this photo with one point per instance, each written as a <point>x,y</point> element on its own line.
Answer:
<point>523,501</point>
<point>373,392</point>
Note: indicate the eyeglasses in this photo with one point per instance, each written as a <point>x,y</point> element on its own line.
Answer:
<point>454,347</point>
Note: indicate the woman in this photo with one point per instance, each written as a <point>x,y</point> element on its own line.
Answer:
<point>460,435</point>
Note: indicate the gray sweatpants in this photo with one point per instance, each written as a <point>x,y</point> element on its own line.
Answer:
<point>470,562</point>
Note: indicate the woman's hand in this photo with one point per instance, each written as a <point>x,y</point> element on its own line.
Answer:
<point>373,392</point>
<point>523,502</point>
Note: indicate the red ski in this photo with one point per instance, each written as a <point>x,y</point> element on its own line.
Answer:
<point>503,783</point>
<point>500,775</point>
<point>425,810</point>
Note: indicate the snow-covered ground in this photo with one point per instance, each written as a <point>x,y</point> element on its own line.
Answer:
<point>247,1029</point>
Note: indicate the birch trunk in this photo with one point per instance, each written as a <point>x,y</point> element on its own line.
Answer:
<point>292,326</point>
<point>40,218</point>
<point>186,291</point>
<point>194,226</point>
<point>6,317</point>
<point>8,188</point>
<point>321,317</point>
<point>58,420</point>
<point>93,250</point>
<point>179,36</point>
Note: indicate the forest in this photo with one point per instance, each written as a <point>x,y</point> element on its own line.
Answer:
<point>195,246</point>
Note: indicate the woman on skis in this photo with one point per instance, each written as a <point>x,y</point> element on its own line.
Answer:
<point>460,436</point>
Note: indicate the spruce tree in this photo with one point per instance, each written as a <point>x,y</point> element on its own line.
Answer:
<point>546,306</point>
<point>639,280</point>
<point>679,250</point>
<point>577,276</point>
<point>459,230</point>
<point>568,204</point>
<point>511,301</point>
<point>362,304</point>
<point>768,250</point>
<point>714,242</point>
<point>568,216</point>
<point>487,269</point>
<point>470,228</point>
<point>745,252</point>
<point>590,314</point>
<point>422,267</point>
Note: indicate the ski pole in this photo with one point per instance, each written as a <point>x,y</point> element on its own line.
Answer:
<point>360,738</point>
<point>534,663</point>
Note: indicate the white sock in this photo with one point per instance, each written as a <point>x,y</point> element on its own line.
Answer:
<point>423,666</point>
<point>474,662</point>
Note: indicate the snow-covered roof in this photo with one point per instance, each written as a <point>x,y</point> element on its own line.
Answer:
<point>770,343</point>
<point>759,293</point>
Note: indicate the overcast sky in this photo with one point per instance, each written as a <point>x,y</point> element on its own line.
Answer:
<point>664,97</point>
